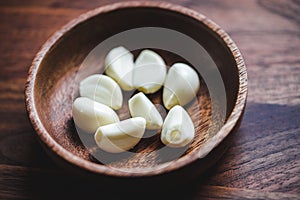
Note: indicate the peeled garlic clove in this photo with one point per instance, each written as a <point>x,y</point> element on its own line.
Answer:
<point>120,136</point>
<point>149,72</point>
<point>119,65</point>
<point>88,115</point>
<point>181,86</point>
<point>141,106</point>
<point>178,129</point>
<point>102,89</point>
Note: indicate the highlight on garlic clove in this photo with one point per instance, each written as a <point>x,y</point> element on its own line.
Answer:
<point>102,89</point>
<point>181,85</point>
<point>141,106</point>
<point>149,72</point>
<point>119,66</point>
<point>178,129</point>
<point>88,115</point>
<point>120,136</point>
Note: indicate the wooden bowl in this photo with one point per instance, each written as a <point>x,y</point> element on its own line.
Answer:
<point>52,86</point>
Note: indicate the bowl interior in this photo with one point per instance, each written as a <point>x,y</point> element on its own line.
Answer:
<point>59,73</point>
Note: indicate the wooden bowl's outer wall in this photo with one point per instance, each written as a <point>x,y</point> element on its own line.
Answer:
<point>186,168</point>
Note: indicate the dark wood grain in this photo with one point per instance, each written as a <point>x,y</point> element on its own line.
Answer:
<point>263,161</point>
<point>29,181</point>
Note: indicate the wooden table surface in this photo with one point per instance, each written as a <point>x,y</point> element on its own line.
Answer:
<point>263,162</point>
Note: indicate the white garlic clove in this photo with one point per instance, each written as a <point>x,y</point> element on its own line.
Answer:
<point>178,129</point>
<point>149,72</point>
<point>88,115</point>
<point>119,65</point>
<point>102,89</point>
<point>181,85</point>
<point>120,136</point>
<point>141,106</point>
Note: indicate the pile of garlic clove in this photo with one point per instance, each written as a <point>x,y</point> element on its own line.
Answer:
<point>101,95</point>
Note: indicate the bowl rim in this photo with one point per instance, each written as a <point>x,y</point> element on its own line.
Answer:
<point>230,123</point>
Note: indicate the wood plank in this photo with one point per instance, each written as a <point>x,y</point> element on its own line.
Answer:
<point>271,164</point>
<point>55,4</point>
<point>34,183</point>
<point>39,10</point>
<point>217,192</point>
<point>73,5</point>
